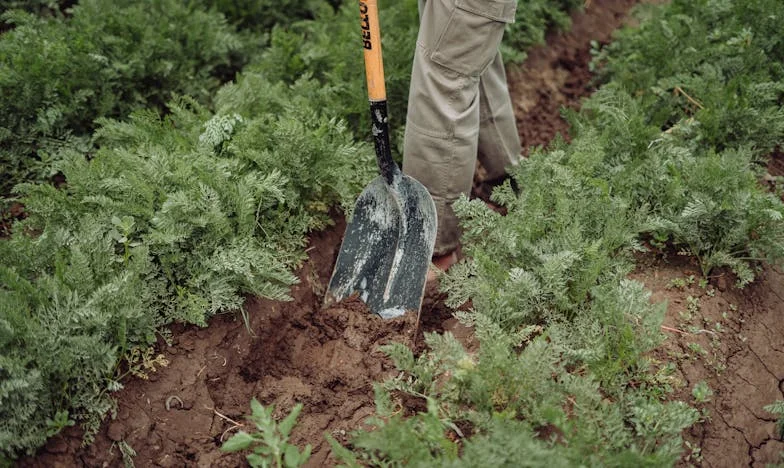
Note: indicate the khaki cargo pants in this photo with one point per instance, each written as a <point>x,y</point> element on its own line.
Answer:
<point>459,105</point>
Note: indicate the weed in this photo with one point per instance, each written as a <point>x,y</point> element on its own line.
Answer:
<point>270,445</point>
<point>143,361</point>
<point>777,409</point>
<point>681,283</point>
<point>127,454</point>
<point>692,305</point>
<point>694,453</point>
<point>701,392</point>
<point>697,349</point>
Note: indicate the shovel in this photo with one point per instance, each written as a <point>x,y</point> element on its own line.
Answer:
<point>389,241</point>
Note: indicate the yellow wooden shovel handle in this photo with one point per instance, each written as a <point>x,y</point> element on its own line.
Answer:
<point>371,41</point>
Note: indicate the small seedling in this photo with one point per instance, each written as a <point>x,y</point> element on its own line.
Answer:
<point>143,361</point>
<point>677,283</point>
<point>692,304</point>
<point>719,366</point>
<point>127,454</point>
<point>60,422</point>
<point>681,283</point>
<point>665,379</point>
<point>270,444</point>
<point>694,453</point>
<point>777,408</point>
<point>702,392</point>
<point>696,348</point>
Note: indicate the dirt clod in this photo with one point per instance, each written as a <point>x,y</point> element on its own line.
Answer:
<point>116,431</point>
<point>57,445</point>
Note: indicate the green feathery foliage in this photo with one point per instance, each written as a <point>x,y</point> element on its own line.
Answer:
<point>39,7</point>
<point>716,62</point>
<point>562,367</point>
<point>777,409</point>
<point>262,15</point>
<point>326,49</point>
<point>57,75</point>
<point>707,202</point>
<point>693,106</point>
<point>173,219</point>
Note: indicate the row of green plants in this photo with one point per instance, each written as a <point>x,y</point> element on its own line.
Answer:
<point>65,64</point>
<point>668,154</point>
<point>59,73</point>
<point>179,200</point>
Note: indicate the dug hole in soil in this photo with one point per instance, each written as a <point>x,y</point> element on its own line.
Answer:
<point>298,352</point>
<point>328,360</point>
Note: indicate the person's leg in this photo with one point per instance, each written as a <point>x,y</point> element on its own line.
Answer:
<point>458,40</point>
<point>499,142</point>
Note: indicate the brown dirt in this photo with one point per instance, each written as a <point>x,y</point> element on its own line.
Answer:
<point>15,211</point>
<point>776,164</point>
<point>731,339</point>
<point>774,177</point>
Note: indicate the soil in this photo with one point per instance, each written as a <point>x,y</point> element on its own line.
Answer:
<point>776,164</point>
<point>14,212</point>
<point>774,177</point>
<point>329,359</point>
<point>731,339</point>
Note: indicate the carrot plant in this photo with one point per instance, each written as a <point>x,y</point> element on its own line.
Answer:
<point>691,144</point>
<point>534,19</point>
<point>562,365</point>
<point>173,219</point>
<point>59,74</point>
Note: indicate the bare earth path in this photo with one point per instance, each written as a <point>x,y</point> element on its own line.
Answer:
<point>733,340</point>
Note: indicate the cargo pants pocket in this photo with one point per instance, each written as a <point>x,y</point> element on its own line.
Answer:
<point>472,35</point>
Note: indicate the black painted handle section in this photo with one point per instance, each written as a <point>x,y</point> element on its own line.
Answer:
<point>380,121</point>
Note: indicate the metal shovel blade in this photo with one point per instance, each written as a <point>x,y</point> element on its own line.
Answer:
<point>387,248</point>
